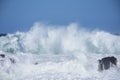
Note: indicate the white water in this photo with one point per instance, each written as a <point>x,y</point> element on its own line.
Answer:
<point>62,53</point>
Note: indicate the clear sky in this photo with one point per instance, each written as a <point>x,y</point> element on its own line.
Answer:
<point>20,15</point>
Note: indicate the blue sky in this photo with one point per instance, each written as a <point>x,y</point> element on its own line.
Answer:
<point>20,15</point>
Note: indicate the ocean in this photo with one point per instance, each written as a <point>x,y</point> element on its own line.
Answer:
<point>49,52</point>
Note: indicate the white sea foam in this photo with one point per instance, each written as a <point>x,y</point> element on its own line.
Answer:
<point>49,52</point>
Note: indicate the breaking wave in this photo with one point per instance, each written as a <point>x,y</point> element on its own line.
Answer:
<point>61,52</point>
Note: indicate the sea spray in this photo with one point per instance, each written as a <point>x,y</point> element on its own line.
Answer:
<point>58,53</point>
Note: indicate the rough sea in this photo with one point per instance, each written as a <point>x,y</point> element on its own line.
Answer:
<point>49,52</point>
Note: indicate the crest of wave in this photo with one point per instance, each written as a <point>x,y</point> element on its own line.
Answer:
<point>42,39</point>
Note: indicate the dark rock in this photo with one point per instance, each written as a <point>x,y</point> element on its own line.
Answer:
<point>106,62</point>
<point>12,60</point>
<point>2,35</point>
<point>2,55</point>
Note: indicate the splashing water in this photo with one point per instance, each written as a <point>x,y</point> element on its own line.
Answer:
<point>58,53</point>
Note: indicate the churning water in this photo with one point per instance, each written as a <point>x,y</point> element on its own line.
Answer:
<point>58,53</point>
